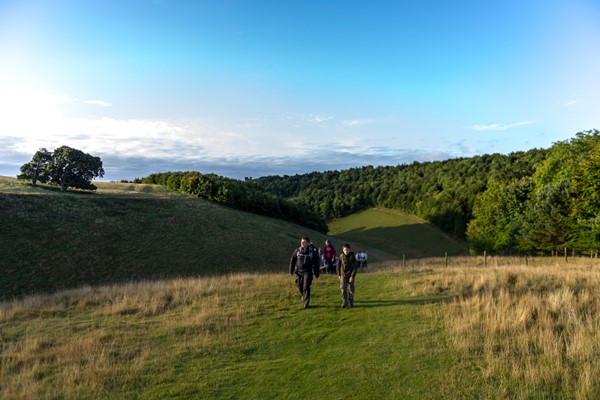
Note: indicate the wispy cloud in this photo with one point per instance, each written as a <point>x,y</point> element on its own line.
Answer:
<point>500,127</point>
<point>101,103</point>
<point>317,119</point>
<point>570,103</point>
<point>357,122</point>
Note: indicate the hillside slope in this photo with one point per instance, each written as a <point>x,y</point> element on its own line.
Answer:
<point>397,233</point>
<point>125,232</point>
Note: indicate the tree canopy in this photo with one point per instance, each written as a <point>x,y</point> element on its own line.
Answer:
<point>66,167</point>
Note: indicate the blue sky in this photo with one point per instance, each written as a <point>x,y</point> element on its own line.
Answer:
<point>272,87</point>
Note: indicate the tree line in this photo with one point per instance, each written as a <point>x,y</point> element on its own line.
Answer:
<point>537,200</point>
<point>442,192</point>
<point>556,207</point>
<point>238,194</point>
<point>541,200</point>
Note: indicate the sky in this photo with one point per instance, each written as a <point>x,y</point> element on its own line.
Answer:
<point>248,88</point>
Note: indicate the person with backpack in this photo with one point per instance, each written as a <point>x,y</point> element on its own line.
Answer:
<point>305,264</point>
<point>346,270</point>
<point>329,256</point>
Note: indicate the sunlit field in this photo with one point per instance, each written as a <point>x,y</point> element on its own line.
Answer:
<point>425,330</point>
<point>534,324</point>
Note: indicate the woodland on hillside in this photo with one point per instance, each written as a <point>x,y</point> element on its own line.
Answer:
<point>541,200</point>
<point>239,195</point>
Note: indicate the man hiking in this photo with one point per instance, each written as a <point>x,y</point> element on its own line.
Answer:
<point>346,270</point>
<point>305,263</point>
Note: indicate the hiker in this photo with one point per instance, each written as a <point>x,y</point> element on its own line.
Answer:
<point>329,256</point>
<point>361,258</point>
<point>305,263</point>
<point>346,270</point>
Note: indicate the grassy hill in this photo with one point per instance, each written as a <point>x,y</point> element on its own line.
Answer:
<point>397,233</point>
<point>510,329</point>
<point>130,232</point>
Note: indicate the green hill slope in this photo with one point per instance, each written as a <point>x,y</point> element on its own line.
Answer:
<point>397,233</point>
<point>125,232</point>
<point>130,232</point>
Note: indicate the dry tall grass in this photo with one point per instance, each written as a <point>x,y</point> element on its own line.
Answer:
<point>535,324</point>
<point>533,329</point>
<point>83,342</point>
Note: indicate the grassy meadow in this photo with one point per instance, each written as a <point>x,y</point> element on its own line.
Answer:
<point>397,233</point>
<point>127,232</point>
<point>425,331</point>
<point>242,336</point>
<point>137,292</point>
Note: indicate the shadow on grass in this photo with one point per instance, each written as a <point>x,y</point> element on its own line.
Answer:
<point>389,303</point>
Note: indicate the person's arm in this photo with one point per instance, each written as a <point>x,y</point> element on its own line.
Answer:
<point>353,268</point>
<point>293,263</point>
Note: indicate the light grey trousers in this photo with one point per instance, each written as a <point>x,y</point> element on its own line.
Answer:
<point>347,289</point>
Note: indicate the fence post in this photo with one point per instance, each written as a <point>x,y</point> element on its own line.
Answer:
<point>446,258</point>
<point>403,260</point>
<point>485,258</point>
<point>566,254</point>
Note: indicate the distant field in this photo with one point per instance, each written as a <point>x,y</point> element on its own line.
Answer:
<point>397,233</point>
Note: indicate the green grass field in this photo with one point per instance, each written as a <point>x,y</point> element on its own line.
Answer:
<point>397,233</point>
<point>129,232</point>
<point>235,337</point>
<point>426,331</point>
<point>233,325</point>
<point>126,232</point>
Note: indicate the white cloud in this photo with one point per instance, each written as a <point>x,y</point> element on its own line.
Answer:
<point>101,103</point>
<point>570,103</point>
<point>317,119</point>
<point>500,127</point>
<point>357,122</point>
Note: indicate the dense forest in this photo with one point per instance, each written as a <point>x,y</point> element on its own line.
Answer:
<point>442,192</point>
<point>538,200</point>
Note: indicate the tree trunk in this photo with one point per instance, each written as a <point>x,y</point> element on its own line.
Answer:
<point>63,178</point>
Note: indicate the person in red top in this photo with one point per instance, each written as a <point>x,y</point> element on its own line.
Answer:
<point>329,257</point>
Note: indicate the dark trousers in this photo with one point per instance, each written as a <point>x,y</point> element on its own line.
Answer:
<point>329,268</point>
<point>303,282</point>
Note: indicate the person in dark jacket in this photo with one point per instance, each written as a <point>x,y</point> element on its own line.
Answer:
<point>305,263</point>
<point>346,270</point>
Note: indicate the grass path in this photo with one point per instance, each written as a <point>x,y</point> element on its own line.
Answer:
<point>383,348</point>
<point>236,337</point>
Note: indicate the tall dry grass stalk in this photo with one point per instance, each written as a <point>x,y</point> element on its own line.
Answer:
<point>80,343</point>
<point>536,324</point>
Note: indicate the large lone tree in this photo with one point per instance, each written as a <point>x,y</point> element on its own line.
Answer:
<point>66,167</point>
